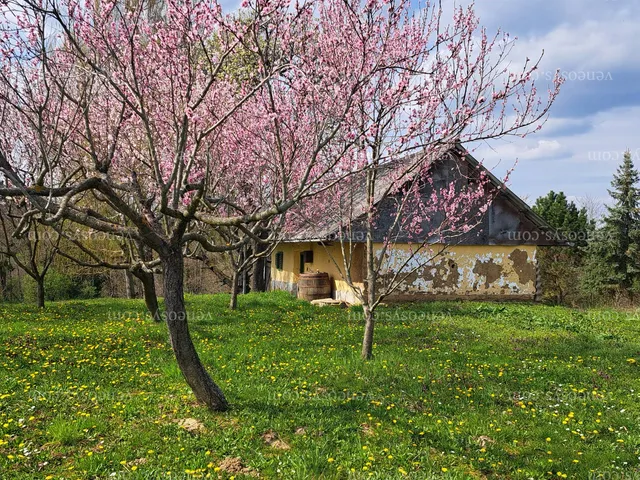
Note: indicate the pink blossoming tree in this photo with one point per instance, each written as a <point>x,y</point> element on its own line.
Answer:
<point>449,85</point>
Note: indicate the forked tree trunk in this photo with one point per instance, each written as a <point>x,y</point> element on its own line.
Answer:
<point>40,292</point>
<point>149,292</point>
<point>205,390</point>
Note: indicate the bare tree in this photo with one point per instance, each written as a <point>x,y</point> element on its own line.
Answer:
<point>31,246</point>
<point>595,208</point>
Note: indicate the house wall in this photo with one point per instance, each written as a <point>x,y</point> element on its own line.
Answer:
<point>500,272</point>
<point>324,260</point>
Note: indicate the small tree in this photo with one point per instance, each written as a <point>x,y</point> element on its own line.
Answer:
<point>117,253</point>
<point>245,262</point>
<point>31,246</point>
<point>439,95</point>
<point>594,207</point>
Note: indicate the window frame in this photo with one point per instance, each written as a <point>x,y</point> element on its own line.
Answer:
<point>279,260</point>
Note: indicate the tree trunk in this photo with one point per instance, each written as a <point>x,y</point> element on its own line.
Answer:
<point>3,282</point>
<point>40,292</point>
<point>370,294</point>
<point>245,282</point>
<point>233,303</point>
<point>258,277</point>
<point>367,341</point>
<point>149,292</point>
<point>205,390</point>
<point>130,284</point>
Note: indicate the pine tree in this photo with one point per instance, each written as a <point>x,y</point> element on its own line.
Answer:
<point>620,242</point>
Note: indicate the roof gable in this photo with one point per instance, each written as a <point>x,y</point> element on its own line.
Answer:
<point>509,220</point>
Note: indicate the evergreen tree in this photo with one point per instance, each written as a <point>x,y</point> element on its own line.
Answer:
<point>597,273</point>
<point>622,227</point>
<point>560,266</point>
<point>612,264</point>
<point>570,222</point>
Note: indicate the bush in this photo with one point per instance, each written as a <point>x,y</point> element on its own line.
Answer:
<point>60,286</point>
<point>57,286</point>
<point>87,290</point>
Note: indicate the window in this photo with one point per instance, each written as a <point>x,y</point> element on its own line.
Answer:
<point>279,260</point>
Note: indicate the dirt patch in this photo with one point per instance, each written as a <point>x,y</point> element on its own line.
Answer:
<point>367,429</point>
<point>137,462</point>
<point>483,441</point>
<point>191,425</point>
<point>234,466</point>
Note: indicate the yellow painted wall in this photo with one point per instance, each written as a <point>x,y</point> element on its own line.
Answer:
<point>499,271</point>
<point>325,259</point>
<point>476,271</point>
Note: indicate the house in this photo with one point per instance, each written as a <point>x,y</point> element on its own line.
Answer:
<point>495,260</point>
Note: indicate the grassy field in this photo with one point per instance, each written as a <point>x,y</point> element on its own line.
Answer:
<point>456,390</point>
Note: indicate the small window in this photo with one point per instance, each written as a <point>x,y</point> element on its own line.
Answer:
<point>279,260</point>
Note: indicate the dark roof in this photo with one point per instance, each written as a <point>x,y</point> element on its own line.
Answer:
<point>520,205</point>
<point>325,227</point>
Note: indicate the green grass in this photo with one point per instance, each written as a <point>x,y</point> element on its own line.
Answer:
<point>456,390</point>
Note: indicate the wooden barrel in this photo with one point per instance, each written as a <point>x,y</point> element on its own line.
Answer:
<point>312,286</point>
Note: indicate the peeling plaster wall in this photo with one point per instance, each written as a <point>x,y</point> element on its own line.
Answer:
<point>482,271</point>
<point>466,271</point>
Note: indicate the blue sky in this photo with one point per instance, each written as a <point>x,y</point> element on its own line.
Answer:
<point>597,116</point>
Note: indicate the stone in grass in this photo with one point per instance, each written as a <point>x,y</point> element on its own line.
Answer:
<point>323,302</point>
<point>191,425</point>
<point>271,438</point>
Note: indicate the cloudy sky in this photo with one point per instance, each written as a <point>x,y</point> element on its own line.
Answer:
<point>596,44</point>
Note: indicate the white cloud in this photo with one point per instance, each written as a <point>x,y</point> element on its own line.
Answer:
<point>521,150</point>
<point>580,164</point>
<point>591,46</point>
